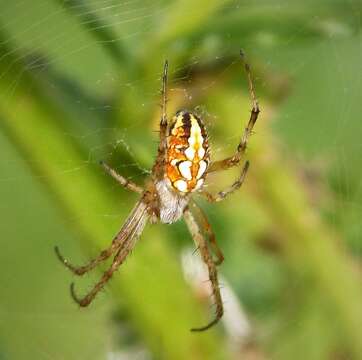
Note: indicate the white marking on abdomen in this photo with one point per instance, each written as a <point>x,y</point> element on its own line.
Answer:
<point>201,152</point>
<point>185,169</point>
<point>180,185</point>
<point>202,168</point>
<point>190,153</point>
<point>199,184</point>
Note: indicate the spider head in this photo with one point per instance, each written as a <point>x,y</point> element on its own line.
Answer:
<point>187,155</point>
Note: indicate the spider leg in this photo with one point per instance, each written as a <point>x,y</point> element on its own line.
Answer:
<point>207,258</point>
<point>163,123</point>
<point>207,227</point>
<point>221,195</point>
<point>158,167</point>
<point>117,242</point>
<point>118,260</point>
<point>126,247</point>
<point>122,180</point>
<point>235,159</point>
<point>81,270</point>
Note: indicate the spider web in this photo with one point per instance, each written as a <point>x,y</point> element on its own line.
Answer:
<point>309,79</point>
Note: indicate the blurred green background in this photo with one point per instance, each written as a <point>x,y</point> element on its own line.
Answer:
<point>79,83</point>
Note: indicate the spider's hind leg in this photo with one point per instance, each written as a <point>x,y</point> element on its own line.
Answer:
<point>255,110</point>
<point>221,195</point>
<point>159,163</point>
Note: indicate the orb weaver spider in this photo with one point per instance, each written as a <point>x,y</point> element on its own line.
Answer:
<point>180,169</point>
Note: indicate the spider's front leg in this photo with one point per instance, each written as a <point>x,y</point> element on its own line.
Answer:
<point>235,159</point>
<point>117,241</point>
<point>118,260</point>
<point>81,270</point>
<point>208,260</point>
<point>207,228</point>
<point>127,237</point>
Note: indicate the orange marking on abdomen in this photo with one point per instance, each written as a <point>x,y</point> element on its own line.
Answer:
<point>186,143</point>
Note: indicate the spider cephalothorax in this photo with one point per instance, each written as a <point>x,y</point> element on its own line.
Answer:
<point>180,170</point>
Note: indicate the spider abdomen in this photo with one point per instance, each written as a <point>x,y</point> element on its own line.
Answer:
<point>187,156</point>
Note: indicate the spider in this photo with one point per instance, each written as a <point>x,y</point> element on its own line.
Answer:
<point>180,169</point>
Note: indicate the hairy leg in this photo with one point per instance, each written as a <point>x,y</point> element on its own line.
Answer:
<point>121,179</point>
<point>207,258</point>
<point>211,236</point>
<point>118,260</point>
<point>122,253</point>
<point>81,270</point>
<point>235,159</point>
<point>158,167</point>
<point>118,241</point>
<point>221,195</point>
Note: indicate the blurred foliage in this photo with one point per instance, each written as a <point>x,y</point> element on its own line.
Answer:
<point>79,83</point>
